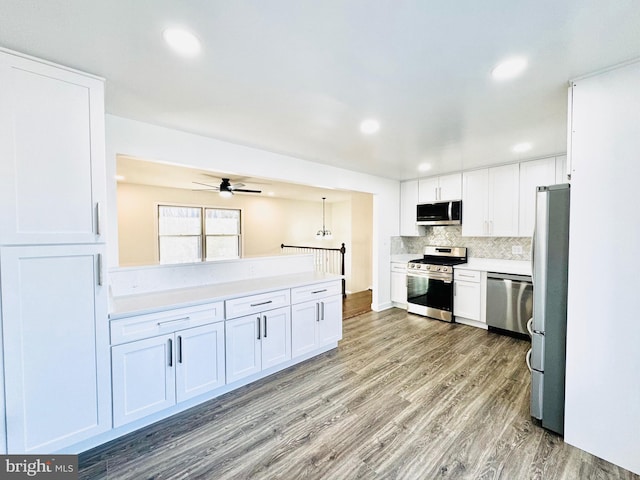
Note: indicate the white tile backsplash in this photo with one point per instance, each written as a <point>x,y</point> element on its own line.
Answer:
<point>477,247</point>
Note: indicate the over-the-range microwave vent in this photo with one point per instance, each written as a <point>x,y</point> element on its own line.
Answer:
<point>439,213</point>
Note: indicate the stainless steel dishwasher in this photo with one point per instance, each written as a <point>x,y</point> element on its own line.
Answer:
<point>509,303</point>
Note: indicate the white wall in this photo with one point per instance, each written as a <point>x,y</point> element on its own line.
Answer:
<point>603,332</point>
<point>143,140</point>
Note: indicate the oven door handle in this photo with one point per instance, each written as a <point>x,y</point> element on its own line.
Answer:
<point>445,277</point>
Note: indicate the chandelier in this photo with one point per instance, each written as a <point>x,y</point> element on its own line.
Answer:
<point>324,233</point>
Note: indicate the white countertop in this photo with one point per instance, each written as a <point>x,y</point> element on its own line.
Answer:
<point>126,306</point>
<point>516,267</point>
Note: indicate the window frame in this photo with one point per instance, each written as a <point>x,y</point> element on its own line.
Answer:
<point>203,235</point>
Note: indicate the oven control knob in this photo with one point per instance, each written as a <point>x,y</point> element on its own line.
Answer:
<point>428,267</point>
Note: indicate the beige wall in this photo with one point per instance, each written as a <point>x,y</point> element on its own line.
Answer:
<point>267,222</point>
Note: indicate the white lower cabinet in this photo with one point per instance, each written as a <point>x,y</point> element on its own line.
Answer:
<point>399,284</point>
<point>257,342</point>
<point>155,373</point>
<point>468,294</point>
<point>315,323</point>
<point>56,346</point>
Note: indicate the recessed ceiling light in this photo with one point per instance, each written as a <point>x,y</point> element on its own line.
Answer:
<point>369,126</point>
<point>183,42</point>
<point>509,69</point>
<point>424,167</point>
<point>522,147</point>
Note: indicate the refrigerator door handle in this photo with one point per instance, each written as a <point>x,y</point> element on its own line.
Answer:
<point>529,329</point>
<point>539,272</point>
<point>527,358</point>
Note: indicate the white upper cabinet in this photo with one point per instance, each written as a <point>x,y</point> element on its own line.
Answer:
<point>532,175</point>
<point>52,168</point>
<point>445,187</point>
<point>561,169</point>
<point>490,202</point>
<point>408,202</point>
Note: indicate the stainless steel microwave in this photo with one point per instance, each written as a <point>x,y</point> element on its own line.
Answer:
<point>439,213</point>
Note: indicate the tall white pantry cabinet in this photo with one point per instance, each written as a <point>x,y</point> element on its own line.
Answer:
<point>55,334</point>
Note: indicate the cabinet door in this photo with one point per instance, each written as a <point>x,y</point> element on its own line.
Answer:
<point>475,203</point>
<point>467,300</point>
<point>408,202</point>
<point>243,347</point>
<point>199,360</point>
<point>450,187</point>
<point>561,169</point>
<point>276,337</point>
<point>143,378</point>
<point>330,324</point>
<point>52,167</point>
<point>56,346</point>
<point>504,187</point>
<point>428,189</point>
<point>304,331</point>
<point>399,287</point>
<point>532,175</point>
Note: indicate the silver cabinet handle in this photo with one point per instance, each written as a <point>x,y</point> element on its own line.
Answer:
<point>98,221</point>
<point>440,194</point>
<point>100,270</point>
<point>435,192</point>
<point>179,348</point>
<point>320,291</point>
<point>322,309</point>
<point>261,303</point>
<point>317,312</point>
<point>455,289</point>
<point>490,227</point>
<point>170,353</point>
<point>265,326</point>
<point>258,328</point>
<point>166,322</point>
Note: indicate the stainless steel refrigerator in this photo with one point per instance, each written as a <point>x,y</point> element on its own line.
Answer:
<point>548,327</point>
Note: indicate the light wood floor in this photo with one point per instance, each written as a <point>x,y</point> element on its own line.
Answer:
<point>402,397</point>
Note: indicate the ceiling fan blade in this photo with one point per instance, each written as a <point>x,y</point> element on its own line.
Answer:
<point>235,186</point>
<point>244,190</point>
<point>212,187</point>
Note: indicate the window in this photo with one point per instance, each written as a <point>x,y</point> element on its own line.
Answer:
<point>194,234</point>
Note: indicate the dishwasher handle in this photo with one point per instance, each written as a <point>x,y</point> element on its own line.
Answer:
<point>508,276</point>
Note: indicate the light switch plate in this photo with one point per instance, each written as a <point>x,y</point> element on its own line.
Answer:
<point>516,250</point>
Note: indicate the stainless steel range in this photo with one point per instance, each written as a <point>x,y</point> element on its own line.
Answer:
<point>430,282</point>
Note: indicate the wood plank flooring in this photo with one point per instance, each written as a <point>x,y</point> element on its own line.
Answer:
<point>356,304</point>
<point>402,397</point>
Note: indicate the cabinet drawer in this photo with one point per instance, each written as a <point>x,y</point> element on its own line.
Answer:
<point>239,307</point>
<point>399,267</point>
<point>150,325</point>
<point>466,275</point>
<point>317,290</point>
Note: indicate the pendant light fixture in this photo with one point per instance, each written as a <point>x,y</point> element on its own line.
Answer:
<point>324,233</point>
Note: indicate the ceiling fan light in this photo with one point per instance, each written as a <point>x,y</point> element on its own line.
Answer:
<point>225,193</point>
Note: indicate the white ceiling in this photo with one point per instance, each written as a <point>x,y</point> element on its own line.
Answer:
<point>298,77</point>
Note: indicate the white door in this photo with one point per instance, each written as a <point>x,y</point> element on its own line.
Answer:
<point>52,167</point>
<point>475,203</point>
<point>143,378</point>
<point>276,337</point>
<point>243,349</point>
<point>56,346</point>
<point>532,175</point>
<point>304,329</point>
<point>467,300</point>
<point>330,324</point>
<point>428,189</point>
<point>504,200</point>
<point>200,360</point>
<point>450,187</point>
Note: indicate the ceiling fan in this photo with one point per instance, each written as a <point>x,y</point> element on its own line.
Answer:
<point>226,189</point>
